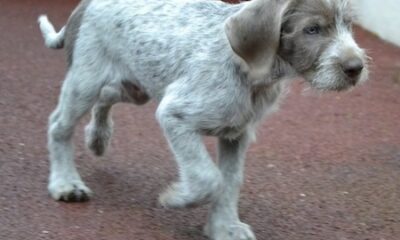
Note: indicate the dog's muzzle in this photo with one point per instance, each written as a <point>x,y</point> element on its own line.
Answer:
<point>352,68</point>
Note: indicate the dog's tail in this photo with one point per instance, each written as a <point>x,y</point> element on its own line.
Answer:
<point>52,39</point>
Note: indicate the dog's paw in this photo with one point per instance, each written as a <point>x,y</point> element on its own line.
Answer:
<point>178,195</point>
<point>69,191</point>
<point>235,231</point>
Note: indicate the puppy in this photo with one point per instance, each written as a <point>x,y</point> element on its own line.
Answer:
<point>214,68</point>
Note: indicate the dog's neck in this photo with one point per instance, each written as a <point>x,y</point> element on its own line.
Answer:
<point>282,70</point>
<point>279,70</point>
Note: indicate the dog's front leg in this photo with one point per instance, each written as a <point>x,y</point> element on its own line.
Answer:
<point>199,177</point>
<point>223,220</point>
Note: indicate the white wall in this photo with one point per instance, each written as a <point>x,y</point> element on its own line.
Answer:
<point>381,17</point>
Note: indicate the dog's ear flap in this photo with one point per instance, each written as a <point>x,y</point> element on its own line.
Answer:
<point>254,33</point>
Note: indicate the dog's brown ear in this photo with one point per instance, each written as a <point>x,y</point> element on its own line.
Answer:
<point>254,33</point>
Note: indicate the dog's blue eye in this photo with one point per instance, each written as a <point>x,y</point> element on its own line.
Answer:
<point>312,30</point>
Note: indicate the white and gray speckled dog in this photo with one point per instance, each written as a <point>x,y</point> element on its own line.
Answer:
<point>215,69</point>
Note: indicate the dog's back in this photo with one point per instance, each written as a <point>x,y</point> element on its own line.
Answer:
<point>153,42</point>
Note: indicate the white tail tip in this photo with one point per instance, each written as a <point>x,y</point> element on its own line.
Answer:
<point>52,38</point>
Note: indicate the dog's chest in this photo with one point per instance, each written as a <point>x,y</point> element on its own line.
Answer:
<point>246,113</point>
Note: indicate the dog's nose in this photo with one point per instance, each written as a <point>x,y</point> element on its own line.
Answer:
<point>352,67</point>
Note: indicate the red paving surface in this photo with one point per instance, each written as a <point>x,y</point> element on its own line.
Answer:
<point>325,167</point>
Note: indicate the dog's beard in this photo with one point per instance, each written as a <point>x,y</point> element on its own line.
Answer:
<point>328,78</point>
<point>332,78</point>
<point>327,73</point>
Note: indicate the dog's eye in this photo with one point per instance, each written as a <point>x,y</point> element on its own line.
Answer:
<point>313,30</point>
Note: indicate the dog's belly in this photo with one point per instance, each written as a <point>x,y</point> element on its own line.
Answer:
<point>224,132</point>
<point>134,93</point>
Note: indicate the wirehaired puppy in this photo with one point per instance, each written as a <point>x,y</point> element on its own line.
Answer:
<point>214,68</point>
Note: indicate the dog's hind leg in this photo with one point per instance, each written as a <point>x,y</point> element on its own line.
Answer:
<point>75,100</point>
<point>98,132</point>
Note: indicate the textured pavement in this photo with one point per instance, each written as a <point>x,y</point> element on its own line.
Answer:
<point>325,167</point>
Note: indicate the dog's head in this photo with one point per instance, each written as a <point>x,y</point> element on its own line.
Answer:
<point>313,36</point>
